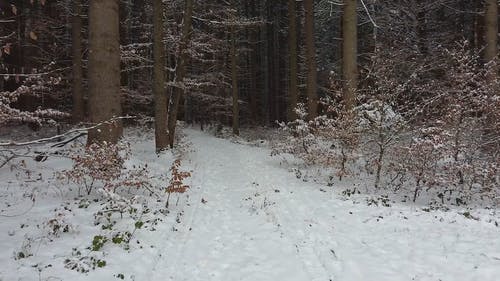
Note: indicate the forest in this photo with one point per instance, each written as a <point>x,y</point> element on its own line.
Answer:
<point>173,130</point>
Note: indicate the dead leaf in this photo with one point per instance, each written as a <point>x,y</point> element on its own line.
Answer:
<point>33,36</point>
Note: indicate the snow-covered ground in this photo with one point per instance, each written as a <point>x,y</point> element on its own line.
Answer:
<point>245,217</point>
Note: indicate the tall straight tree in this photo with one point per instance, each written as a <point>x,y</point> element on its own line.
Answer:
<point>104,70</point>
<point>349,53</point>
<point>491,51</point>
<point>234,79</point>
<point>292,53</point>
<point>76,38</point>
<point>180,72</point>
<point>160,95</point>
<point>491,30</point>
<point>253,37</point>
<point>312,95</point>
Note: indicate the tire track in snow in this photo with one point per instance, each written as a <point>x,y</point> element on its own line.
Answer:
<point>300,227</point>
<point>307,242</point>
<point>230,234</point>
<point>313,263</point>
<point>178,241</point>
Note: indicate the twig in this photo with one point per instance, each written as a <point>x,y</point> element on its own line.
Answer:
<point>368,13</point>
<point>7,160</point>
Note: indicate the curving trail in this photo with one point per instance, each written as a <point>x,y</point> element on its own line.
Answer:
<point>258,222</point>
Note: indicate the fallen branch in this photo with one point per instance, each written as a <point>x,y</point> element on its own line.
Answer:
<point>81,131</point>
<point>64,142</point>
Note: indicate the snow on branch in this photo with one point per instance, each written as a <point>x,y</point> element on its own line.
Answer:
<point>78,131</point>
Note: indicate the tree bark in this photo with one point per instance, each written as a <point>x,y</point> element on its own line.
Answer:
<point>264,62</point>
<point>160,95</point>
<point>234,83</point>
<point>253,38</point>
<point>491,32</point>
<point>421,32</point>
<point>104,70</point>
<point>76,38</point>
<point>180,70</point>
<point>292,53</point>
<point>312,95</point>
<point>349,53</point>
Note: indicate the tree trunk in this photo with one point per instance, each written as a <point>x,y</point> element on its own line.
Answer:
<point>264,62</point>
<point>479,27</point>
<point>160,95</point>
<point>180,70</point>
<point>421,32</point>
<point>104,70</point>
<point>76,38</point>
<point>312,95</point>
<point>234,79</point>
<point>490,55</point>
<point>253,38</point>
<point>292,49</point>
<point>491,31</point>
<point>349,53</point>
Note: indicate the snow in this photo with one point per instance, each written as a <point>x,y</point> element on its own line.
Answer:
<point>246,217</point>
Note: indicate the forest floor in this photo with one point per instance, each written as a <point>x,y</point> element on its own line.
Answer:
<point>244,217</point>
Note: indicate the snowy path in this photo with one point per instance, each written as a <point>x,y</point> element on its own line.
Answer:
<point>226,238</point>
<point>259,222</point>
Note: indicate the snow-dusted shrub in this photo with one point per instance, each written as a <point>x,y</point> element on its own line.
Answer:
<point>328,140</point>
<point>101,165</point>
<point>381,129</point>
<point>420,159</point>
<point>453,152</point>
<point>98,164</point>
<point>434,129</point>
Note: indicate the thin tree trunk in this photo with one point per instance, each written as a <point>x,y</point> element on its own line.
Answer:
<point>349,53</point>
<point>312,95</point>
<point>421,32</point>
<point>180,70</point>
<point>479,27</point>
<point>160,95</point>
<point>292,49</point>
<point>253,37</point>
<point>490,55</point>
<point>271,61</point>
<point>104,70</point>
<point>491,32</point>
<point>76,38</point>
<point>264,55</point>
<point>234,79</point>
<point>277,74</point>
